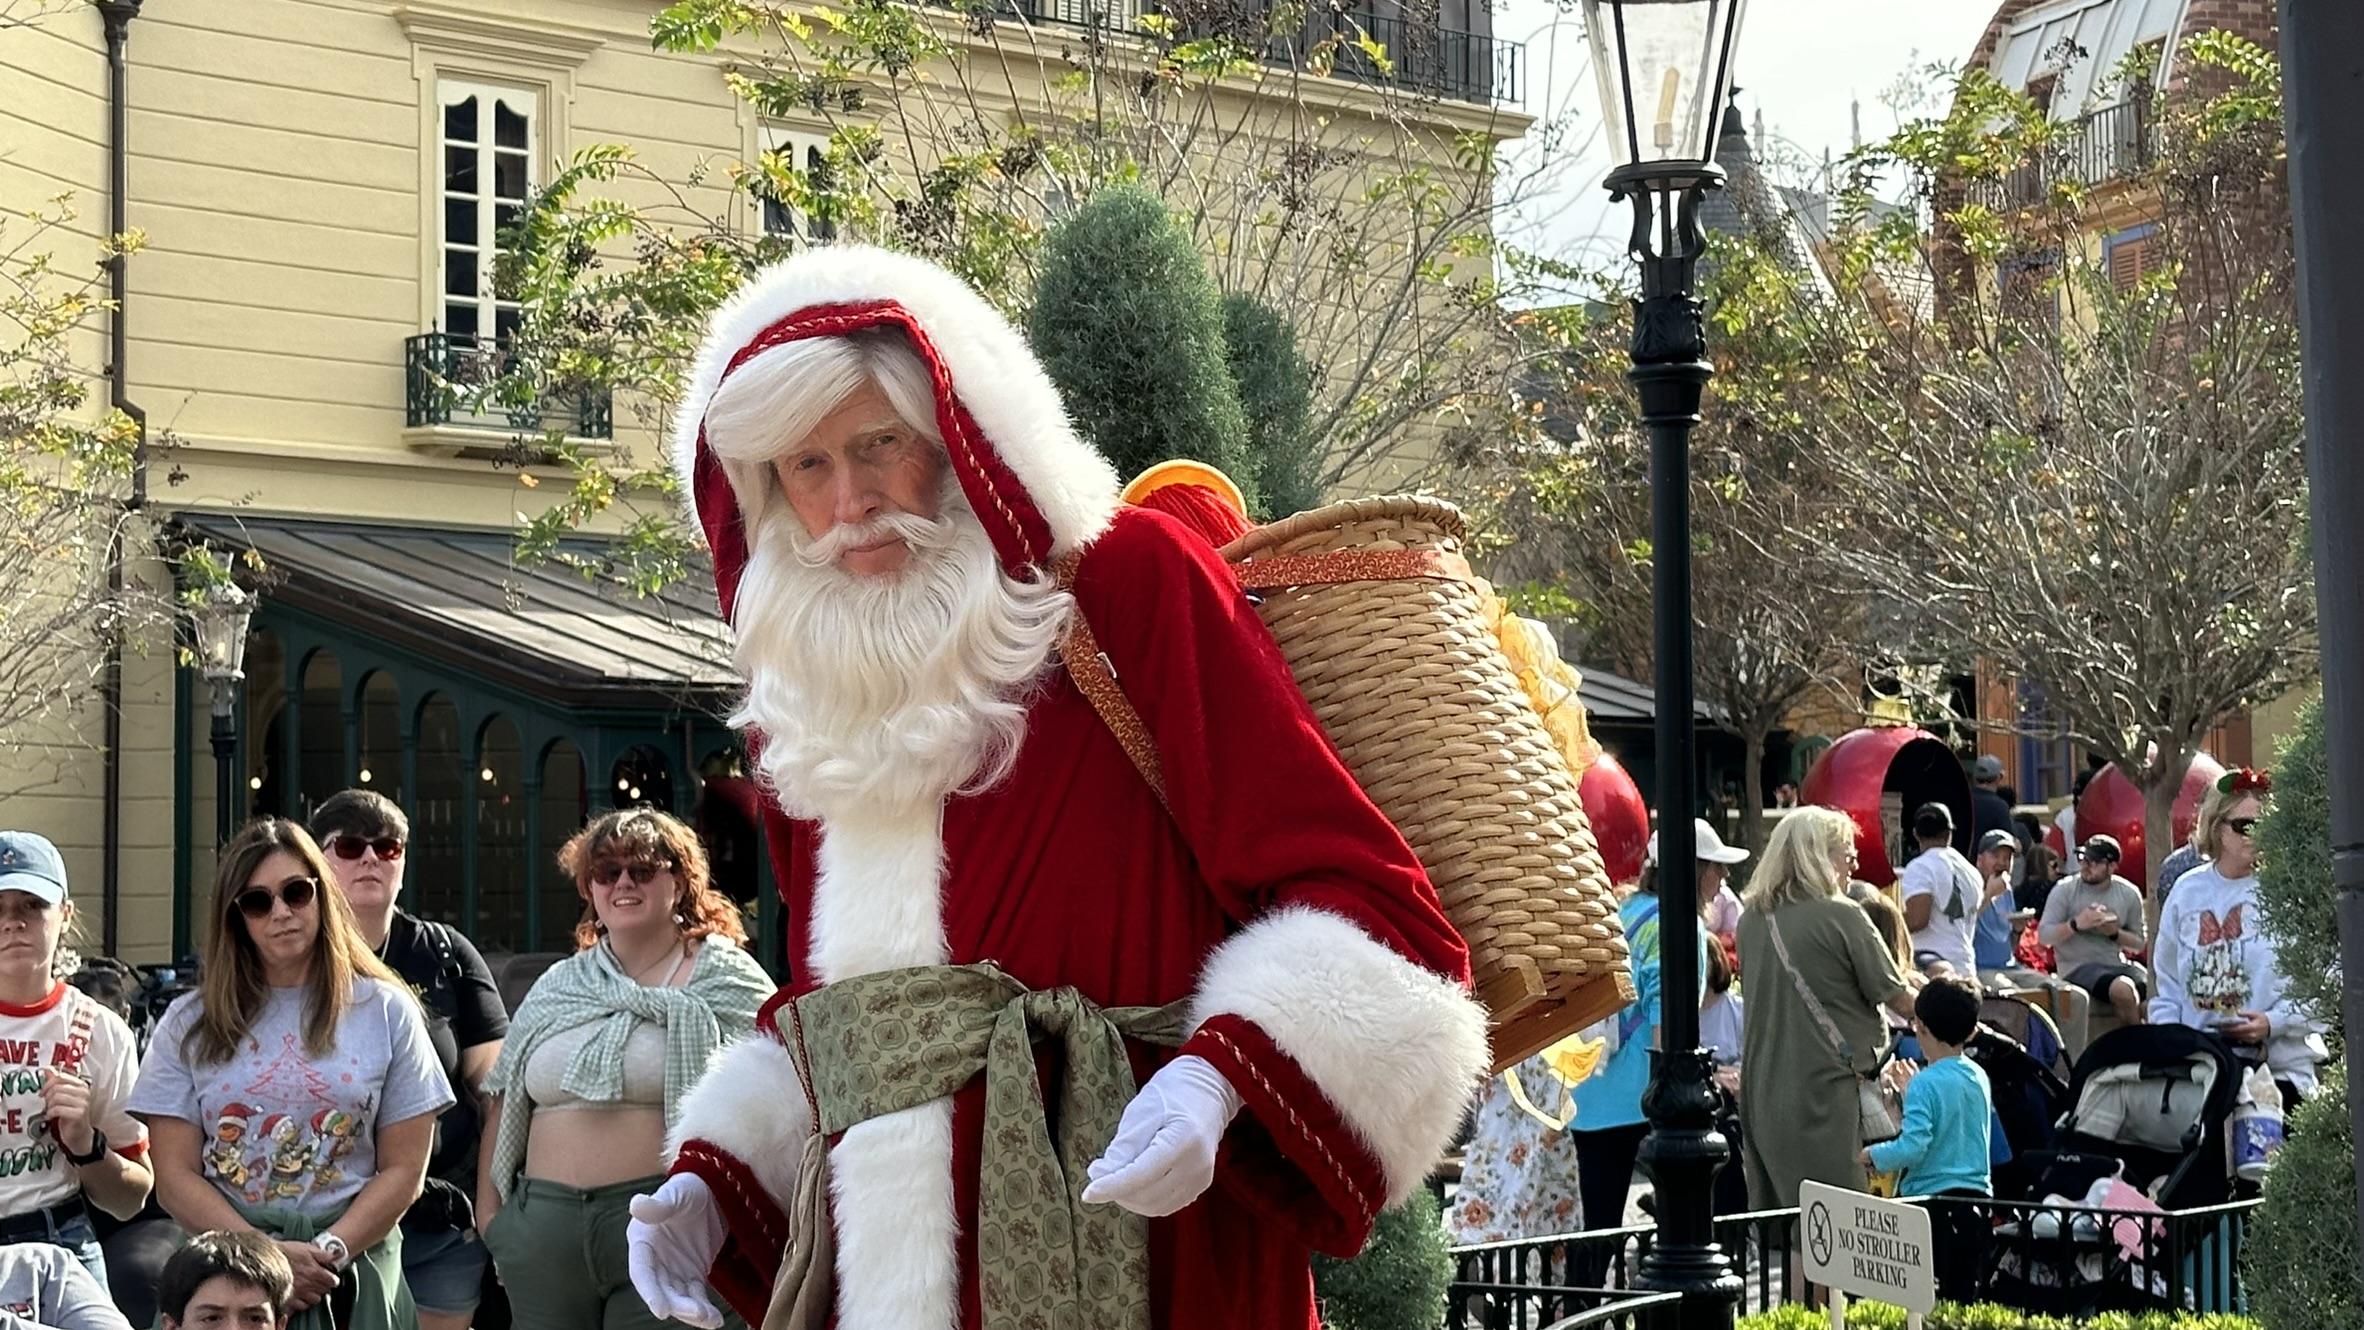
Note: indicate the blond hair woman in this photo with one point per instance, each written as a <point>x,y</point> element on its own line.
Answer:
<point>1802,932</point>
<point>2213,961</point>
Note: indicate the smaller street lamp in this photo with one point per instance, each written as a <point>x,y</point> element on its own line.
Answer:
<point>1665,68</point>
<point>219,622</point>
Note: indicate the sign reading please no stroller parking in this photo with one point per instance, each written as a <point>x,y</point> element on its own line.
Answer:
<point>1867,1247</point>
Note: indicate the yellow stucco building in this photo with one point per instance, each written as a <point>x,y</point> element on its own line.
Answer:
<point>321,183</point>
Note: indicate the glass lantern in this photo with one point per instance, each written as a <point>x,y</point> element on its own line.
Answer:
<point>1665,67</point>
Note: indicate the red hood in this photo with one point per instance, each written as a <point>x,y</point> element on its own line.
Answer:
<point>1041,491</point>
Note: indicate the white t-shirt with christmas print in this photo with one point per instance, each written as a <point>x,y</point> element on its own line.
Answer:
<point>285,1128</point>
<point>65,1031</point>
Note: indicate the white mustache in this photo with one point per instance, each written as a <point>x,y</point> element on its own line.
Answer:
<point>918,532</point>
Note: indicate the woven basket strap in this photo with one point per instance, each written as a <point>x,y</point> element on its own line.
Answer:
<point>1095,677</point>
<point>1328,569</point>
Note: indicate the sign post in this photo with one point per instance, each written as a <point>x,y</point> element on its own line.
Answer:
<point>1865,1247</point>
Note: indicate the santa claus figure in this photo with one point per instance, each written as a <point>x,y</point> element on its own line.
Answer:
<point>1063,1046</point>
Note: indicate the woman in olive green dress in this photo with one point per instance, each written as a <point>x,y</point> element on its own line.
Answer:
<point>1798,1108</point>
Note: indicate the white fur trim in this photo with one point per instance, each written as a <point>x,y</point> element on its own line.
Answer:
<point>878,895</point>
<point>1397,1049</point>
<point>891,1180</point>
<point>994,372</point>
<point>755,1070</point>
<point>878,905</point>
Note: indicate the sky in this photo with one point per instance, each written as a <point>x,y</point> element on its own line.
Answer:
<point>1805,65</point>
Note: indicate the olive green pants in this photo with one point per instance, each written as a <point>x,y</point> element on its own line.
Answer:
<point>560,1253</point>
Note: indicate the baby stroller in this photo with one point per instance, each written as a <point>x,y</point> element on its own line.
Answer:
<point>2029,1098</point>
<point>2153,1098</point>
<point>2148,1106</point>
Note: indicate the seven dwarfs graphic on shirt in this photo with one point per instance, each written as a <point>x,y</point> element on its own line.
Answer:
<point>2218,978</point>
<point>297,1146</point>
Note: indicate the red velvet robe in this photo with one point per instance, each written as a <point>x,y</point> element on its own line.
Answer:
<point>1270,886</point>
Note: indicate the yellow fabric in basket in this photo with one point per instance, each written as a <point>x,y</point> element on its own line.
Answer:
<point>1570,1061</point>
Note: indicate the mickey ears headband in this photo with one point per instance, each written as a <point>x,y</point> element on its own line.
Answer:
<point>2245,780</point>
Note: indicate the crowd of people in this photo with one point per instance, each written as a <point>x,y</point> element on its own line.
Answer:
<point>344,1121</point>
<point>1862,994</point>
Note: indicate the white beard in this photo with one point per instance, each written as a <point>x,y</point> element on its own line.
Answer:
<point>883,695</point>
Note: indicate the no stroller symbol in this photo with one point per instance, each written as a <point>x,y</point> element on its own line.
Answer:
<point>1818,1238</point>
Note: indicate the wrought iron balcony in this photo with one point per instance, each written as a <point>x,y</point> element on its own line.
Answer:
<point>1423,57</point>
<point>443,371</point>
<point>2113,143</point>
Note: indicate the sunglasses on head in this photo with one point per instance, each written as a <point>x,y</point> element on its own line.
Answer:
<point>256,902</point>
<point>2244,825</point>
<point>353,847</point>
<point>641,873</point>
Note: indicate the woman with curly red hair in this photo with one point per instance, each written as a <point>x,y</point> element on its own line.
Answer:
<point>598,1058</point>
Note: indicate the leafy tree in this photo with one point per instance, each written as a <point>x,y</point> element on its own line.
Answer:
<point>1276,394</point>
<point>1365,222</point>
<point>65,485</point>
<point>1770,627</point>
<point>2090,480</point>
<point>1130,328</point>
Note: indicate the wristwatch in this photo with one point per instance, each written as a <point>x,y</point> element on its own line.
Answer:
<point>98,1150</point>
<point>339,1255</point>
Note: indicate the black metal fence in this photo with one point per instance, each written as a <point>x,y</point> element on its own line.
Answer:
<point>2078,1260</point>
<point>2112,143</point>
<point>1538,1282</point>
<point>444,373</point>
<point>2062,1259</point>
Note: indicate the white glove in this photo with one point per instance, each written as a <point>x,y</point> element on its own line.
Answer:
<point>1164,1152</point>
<point>670,1244</point>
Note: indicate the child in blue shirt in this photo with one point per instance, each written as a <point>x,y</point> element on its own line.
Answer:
<point>1943,1151</point>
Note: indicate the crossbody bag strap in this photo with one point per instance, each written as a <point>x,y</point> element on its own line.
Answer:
<point>1830,1028</point>
<point>1095,677</point>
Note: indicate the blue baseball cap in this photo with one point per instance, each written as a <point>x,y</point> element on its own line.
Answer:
<point>30,864</point>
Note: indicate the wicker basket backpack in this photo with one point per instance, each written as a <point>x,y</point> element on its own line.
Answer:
<point>1387,633</point>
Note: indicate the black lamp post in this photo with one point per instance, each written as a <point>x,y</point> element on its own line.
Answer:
<point>219,623</point>
<point>1665,67</point>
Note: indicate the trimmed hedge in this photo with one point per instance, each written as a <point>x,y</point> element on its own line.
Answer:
<point>1276,393</point>
<point>1129,324</point>
<point>2299,1256</point>
<point>1399,1281</point>
<point>2294,888</point>
<point>1988,1316</point>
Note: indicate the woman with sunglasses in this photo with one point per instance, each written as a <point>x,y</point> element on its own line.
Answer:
<point>67,1141</point>
<point>295,1093</point>
<point>598,1059</point>
<point>365,835</point>
<point>2213,963</point>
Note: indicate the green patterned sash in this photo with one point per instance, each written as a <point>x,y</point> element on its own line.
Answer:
<point>880,1043</point>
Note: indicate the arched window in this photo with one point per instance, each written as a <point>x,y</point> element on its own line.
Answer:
<point>566,806</point>
<point>266,705</point>
<point>431,885</point>
<point>381,738</point>
<point>322,730</point>
<point>501,867</point>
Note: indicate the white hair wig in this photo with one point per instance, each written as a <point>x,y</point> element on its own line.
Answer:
<point>768,405</point>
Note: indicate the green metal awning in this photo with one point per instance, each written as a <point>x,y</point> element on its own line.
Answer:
<point>462,596</point>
